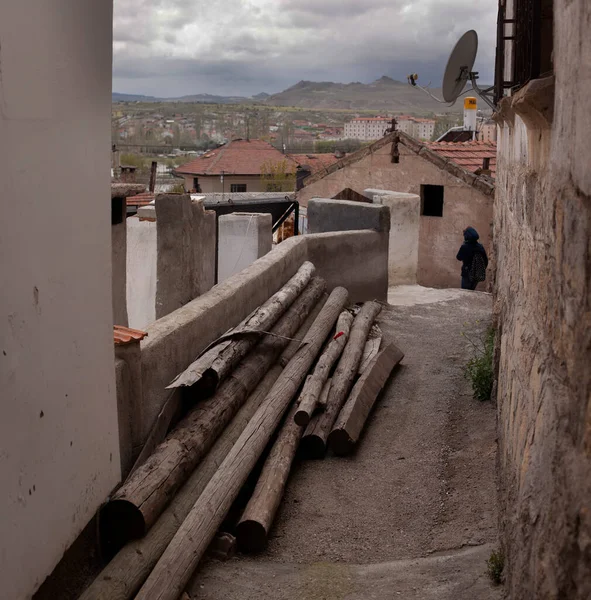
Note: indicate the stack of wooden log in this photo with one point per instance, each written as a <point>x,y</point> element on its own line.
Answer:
<point>301,372</point>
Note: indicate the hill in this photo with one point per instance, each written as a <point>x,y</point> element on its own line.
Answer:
<point>384,94</point>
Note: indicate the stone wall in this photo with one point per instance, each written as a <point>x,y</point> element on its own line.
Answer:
<point>543,312</point>
<point>439,237</point>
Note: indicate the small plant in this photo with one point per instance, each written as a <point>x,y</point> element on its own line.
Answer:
<point>495,565</point>
<point>479,369</point>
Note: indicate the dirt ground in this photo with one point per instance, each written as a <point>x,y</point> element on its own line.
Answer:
<point>413,513</point>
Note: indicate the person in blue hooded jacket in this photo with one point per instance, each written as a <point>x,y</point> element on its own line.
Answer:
<point>468,250</point>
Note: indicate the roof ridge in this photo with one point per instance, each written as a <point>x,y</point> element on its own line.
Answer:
<point>482,184</point>
<point>217,158</point>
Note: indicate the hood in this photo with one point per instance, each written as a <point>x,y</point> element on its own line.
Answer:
<point>470,234</point>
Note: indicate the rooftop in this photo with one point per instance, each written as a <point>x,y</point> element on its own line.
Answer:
<point>142,199</point>
<point>124,335</point>
<point>239,157</point>
<point>469,155</point>
<point>316,162</point>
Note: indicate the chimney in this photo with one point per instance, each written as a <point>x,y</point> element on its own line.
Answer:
<point>485,167</point>
<point>301,173</point>
<point>470,110</point>
<point>127,174</point>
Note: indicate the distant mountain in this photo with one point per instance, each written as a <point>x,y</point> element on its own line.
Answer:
<point>200,98</point>
<point>117,97</point>
<point>383,94</point>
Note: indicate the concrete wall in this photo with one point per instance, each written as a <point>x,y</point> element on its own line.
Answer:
<point>357,260</point>
<point>59,454</point>
<point>439,237</point>
<point>186,251</point>
<point>141,271</point>
<point>243,237</point>
<point>405,221</point>
<point>170,258</point>
<point>543,311</point>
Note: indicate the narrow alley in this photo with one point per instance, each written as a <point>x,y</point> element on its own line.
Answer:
<point>413,513</point>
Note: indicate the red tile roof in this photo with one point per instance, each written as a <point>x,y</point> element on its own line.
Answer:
<point>142,199</point>
<point>469,155</point>
<point>316,162</point>
<point>239,157</point>
<point>125,335</point>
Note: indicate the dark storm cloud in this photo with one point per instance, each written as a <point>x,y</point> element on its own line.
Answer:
<point>176,47</point>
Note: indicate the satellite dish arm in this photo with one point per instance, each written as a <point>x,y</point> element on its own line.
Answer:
<point>412,80</point>
<point>484,94</point>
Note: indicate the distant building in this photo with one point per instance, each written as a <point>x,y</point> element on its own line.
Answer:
<point>374,128</point>
<point>488,132</point>
<point>235,167</point>
<point>420,129</point>
<point>366,128</point>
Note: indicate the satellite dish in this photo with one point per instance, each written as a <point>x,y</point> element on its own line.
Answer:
<point>458,72</point>
<point>459,66</point>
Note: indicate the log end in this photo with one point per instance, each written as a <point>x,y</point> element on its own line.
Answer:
<point>312,447</point>
<point>340,442</point>
<point>302,418</point>
<point>251,536</point>
<point>119,522</point>
<point>206,386</point>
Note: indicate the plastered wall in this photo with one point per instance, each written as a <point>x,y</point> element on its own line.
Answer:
<point>59,442</point>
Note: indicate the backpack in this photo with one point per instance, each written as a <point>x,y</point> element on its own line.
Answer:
<point>478,268</point>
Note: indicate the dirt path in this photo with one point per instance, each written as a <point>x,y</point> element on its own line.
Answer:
<point>413,513</point>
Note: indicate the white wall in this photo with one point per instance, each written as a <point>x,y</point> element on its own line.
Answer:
<point>141,272</point>
<point>403,243</point>
<point>243,238</point>
<point>59,450</point>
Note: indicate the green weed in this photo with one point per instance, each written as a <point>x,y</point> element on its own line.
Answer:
<point>495,565</point>
<point>479,369</point>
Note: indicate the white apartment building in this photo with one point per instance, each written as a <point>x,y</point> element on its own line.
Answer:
<point>367,128</point>
<point>421,129</point>
<point>373,128</point>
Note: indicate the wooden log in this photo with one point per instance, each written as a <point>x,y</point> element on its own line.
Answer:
<point>316,435</point>
<point>372,347</point>
<point>253,528</point>
<point>264,318</point>
<point>223,547</point>
<point>172,572</point>
<point>314,384</point>
<point>138,503</point>
<point>352,418</point>
<point>295,344</point>
<point>129,568</point>
<point>213,366</point>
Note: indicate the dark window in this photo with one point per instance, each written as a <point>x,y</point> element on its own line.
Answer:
<point>118,206</point>
<point>237,187</point>
<point>528,31</point>
<point>196,185</point>
<point>432,200</point>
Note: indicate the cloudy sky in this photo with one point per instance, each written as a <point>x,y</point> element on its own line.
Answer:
<point>242,47</point>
